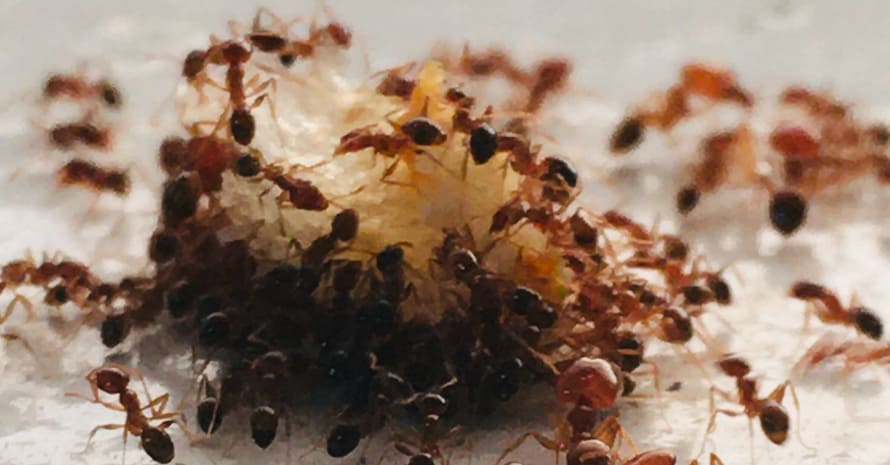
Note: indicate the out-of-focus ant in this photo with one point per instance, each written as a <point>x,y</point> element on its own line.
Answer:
<point>707,81</point>
<point>829,309</point>
<point>277,41</point>
<point>854,353</point>
<point>114,379</point>
<point>87,174</point>
<point>76,87</point>
<point>66,135</point>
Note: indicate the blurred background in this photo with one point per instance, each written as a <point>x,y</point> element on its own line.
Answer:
<point>621,50</point>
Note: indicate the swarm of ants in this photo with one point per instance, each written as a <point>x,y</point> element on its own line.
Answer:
<point>817,146</point>
<point>416,331</point>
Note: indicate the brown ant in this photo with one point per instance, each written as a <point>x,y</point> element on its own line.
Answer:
<point>289,51</point>
<point>830,310</point>
<point>114,379</point>
<point>65,135</point>
<point>78,172</point>
<point>769,410</point>
<point>76,87</point>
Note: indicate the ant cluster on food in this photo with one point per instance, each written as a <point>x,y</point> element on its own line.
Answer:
<point>818,144</point>
<point>530,290</point>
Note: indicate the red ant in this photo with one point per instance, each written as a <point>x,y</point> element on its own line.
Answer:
<point>114,379</point>
<point>289,51</point>
<point>769,410</point>
<point>829,309</point>
<point>87,174</point>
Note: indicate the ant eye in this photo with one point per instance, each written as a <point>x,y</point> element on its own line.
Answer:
<point>787,211</point>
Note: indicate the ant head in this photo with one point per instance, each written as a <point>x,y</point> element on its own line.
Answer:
<point>787,211</point>
<point>157,444</point>
<point>774,421</point>
<point>112,380</point>
<point>339,33</point>
<point>163,246</point>
<point>194,64</point>
<point>734,365</point>
<point>867,322</point>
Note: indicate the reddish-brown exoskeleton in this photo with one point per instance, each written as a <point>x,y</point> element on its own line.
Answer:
<point>78,172</point>
<point>829,309</point>
<point>114,380</point>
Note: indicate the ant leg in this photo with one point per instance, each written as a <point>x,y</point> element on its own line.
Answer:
<point>778,394</point>
<point>261,97</point>
<point>22,301</point>
<point>100,427</point>
<point>96,401</point>
<point>712,421</point>
<point>544,441</point>
<point>613,428</point>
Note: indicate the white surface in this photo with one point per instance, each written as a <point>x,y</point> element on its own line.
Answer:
<point>622,50</point>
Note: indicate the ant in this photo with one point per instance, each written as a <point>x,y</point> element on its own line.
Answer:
<point>769,410</point>
<point>114,379</point>
<point>710,82</point>
<point>854,352</point>
<point>395,84</point>
<point>88,174</point>
<point>829,309</point>
<point>65,135</point>
<point>76,87</point>
<point>288,52</point>
<point>234,55</point>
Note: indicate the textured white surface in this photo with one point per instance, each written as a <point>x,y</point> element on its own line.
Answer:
<point>622,50</point>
